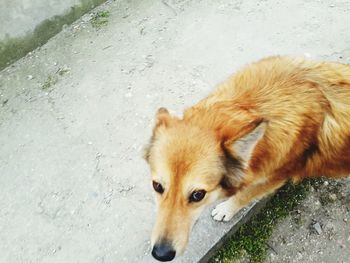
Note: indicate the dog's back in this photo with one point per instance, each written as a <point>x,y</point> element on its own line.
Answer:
<point>306,105</point>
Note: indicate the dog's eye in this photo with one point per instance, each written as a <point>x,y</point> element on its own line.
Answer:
<point>197,196</point>
<point>158,187</point>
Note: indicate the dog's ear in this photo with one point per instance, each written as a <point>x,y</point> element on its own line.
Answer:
<point>146,150</point>
<point>163,118</point>
<point>234,173</point>
<point>244,146</point>
<point>241,143</point>
<point>238,150</point>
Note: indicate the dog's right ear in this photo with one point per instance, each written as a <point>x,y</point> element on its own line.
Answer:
<point>163,118</point>
<point>146,150</point>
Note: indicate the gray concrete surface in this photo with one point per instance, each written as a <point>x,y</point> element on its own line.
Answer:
<point>75,113</point>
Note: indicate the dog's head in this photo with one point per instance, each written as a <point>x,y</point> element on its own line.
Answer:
<point>190,167</point>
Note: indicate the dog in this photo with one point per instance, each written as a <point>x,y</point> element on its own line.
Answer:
<point>279,119</point>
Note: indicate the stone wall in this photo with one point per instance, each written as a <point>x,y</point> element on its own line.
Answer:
<point>27,24</point>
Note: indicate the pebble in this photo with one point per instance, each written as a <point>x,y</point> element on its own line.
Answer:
<point>87,17</point>
<point>317,228</point>
<point>30,77</point>
<point>333,197</point>
<point>317,204</point>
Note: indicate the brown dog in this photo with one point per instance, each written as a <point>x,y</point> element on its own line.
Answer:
<point>276,120</point>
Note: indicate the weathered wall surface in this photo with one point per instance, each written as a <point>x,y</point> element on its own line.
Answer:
<point>27,24</point>
<point>21,16</point>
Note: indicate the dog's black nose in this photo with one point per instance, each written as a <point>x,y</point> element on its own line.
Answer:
<point>163,252</point>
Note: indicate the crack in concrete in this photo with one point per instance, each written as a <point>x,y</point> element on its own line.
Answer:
<point>97,164</point>
<point>170,7</point>
<point>126,189</point>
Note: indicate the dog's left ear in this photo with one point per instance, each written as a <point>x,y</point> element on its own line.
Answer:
<point>244,147</point>
<point>238,151</point>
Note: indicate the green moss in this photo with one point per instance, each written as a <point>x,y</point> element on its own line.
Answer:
<point>298,219</point>
<point>325,200</point>
<point>331,195</point>
<point>251,238</point>
<point>12,49</point>
<point>100,19</point>
<point>49,82</point>
<point>63,71</point>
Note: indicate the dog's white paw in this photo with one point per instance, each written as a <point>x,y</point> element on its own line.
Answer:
<point>224,211</point>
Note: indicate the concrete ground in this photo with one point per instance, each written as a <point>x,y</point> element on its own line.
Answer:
<point>75,113</point>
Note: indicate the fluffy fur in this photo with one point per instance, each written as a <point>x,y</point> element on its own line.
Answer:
<point>276,120</point>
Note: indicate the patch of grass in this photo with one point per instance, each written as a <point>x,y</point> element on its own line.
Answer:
<point>332,193</point>
<point>49,82</point>
<point>326,199</point>
<point>298,219</point>
<point>251,239</point>
<point>63,71</point>
<point>100,19</point>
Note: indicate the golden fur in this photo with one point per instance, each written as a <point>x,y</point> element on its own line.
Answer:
<point>276,120</point>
